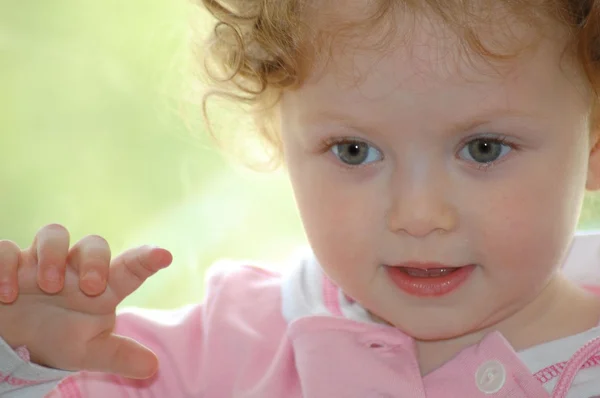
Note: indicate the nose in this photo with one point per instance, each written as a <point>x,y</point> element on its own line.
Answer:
<point>420,207</point>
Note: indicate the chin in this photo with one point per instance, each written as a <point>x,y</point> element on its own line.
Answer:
<point>437,331</point>
<point>428,335</point>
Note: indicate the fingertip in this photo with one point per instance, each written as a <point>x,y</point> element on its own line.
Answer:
<point>145,367</point>
<point>92,283</point>
<point>163,257</point>
<point>8,294</point>
<point>50,281</point>
<point>152,368</point>
<point>167,258</point>
<point>10,256</point>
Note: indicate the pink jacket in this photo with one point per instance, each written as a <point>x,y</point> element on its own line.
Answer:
<point>260,334</point>
<point>239,344</point>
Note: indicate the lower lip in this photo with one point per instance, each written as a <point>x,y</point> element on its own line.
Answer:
<point>430,286</point>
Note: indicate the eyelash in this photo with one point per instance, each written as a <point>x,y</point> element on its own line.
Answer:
<point>328,144</point>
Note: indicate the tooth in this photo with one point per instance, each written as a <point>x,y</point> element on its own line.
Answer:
<point>416,272</point>
<point>424,273</point>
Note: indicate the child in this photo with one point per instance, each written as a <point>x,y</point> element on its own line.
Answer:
<point>439,152</point>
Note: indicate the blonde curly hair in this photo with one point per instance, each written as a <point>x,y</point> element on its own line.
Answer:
<point>260,48</point>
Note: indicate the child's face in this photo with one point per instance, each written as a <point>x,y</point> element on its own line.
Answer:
<point>422,193</point>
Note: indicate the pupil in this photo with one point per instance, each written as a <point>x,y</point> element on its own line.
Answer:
<point>354,149</point>
<point>354,153</point>
<point>485,151</point>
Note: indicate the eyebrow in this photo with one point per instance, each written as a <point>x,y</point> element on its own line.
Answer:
<point>472,122</point>
<point>469,122</point>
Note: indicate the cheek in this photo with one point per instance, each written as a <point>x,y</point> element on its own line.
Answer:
<point>512,232</point>
<point>342,220</point>
<point>526,223</point>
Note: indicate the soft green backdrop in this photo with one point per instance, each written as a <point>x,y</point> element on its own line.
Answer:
<point>96,135</point>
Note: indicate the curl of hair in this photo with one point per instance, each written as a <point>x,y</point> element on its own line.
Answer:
<point>259,48</point>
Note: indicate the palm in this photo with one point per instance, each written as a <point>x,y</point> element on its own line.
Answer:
<point>53,328</point>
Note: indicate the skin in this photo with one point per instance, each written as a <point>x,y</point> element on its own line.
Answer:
<point>423,197</point>
<point>77,308</point>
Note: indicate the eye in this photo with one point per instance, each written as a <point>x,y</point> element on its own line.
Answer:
<point>356,153</point>
<point>485,150</point>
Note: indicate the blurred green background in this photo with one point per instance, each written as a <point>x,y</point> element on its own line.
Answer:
<point>101,132</point>
<point>98,134</point>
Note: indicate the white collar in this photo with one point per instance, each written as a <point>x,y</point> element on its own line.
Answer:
<point>306,291</point>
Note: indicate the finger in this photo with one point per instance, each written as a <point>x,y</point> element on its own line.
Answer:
<point>9,265</point>
<point>50,247</point>
<point>120,355</point>
<point>90,257</point>
<point>133,267</point>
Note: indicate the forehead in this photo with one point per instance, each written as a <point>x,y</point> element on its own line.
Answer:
<point>422,63</point>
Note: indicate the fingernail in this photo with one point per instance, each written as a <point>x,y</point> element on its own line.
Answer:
<point>52,275</point>
<point>91,276</point>
<point>6,291</point>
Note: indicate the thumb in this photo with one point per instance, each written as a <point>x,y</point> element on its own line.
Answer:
<point>120,355</point>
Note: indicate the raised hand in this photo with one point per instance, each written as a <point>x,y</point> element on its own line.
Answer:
<point>60,301</point>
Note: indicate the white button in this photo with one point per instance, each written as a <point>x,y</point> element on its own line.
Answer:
<point>490,377</point>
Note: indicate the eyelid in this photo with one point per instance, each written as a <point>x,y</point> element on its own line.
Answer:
<point>328,143</point>
<point>484,135</point>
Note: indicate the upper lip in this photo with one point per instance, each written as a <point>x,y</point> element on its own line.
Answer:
<point>424,265</point>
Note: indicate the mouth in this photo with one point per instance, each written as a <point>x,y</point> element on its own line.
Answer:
<point>428,272</point>
<point>429,279</point>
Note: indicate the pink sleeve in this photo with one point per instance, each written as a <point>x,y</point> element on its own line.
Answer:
<point>176,337</point>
